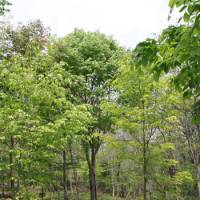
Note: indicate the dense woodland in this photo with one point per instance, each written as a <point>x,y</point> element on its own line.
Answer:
<point>83,118</point>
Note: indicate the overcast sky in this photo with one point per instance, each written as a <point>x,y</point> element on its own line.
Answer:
<point>128,21</point>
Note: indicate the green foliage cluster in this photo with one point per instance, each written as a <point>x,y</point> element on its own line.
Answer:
<point>3,6</point>
<point>83,118</point>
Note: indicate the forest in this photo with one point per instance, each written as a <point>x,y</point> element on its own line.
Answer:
<point>83,118</point>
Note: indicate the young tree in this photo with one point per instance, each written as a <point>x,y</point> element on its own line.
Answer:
<point>145,110</point>
<point>176,53</point>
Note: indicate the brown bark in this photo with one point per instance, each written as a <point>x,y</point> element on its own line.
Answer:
<point>91,160</point>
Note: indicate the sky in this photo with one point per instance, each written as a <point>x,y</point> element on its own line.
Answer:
<point>127,21</point>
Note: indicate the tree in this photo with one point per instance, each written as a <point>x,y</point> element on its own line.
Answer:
<point>37,121</point>
<point>144,109</point>
<point>26,40</point>
<point>91,60</point>
<point>177,53</point>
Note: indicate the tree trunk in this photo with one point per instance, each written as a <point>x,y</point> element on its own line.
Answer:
<point>91,160</point>
<point>92,175</point>
<point>20,175</point>
<point>74,172</point>
<point>113,184</point>
<point>198,179</point>
<point>3,186</point>
<point>145,172</point>
<point>12,183</point>
<point>65,176</point>
<point>118,179</point>
<point>144,156</point>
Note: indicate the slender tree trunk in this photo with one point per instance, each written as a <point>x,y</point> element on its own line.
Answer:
<point>113,184</point>
<point>42,192</point>
<point>144,157</point>
<point>198,179</point>
<point>12,183</point>
<point>145,172</point>
<point>118,179</point>
<point>65,176</point>
<point>20,175</point>
<point>74,172</point>
<point>3,186</point>
<point>113,191</point>
<point>18,189</point>
<point>58,193</point>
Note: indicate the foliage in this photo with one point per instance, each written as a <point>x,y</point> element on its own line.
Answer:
<point>190,10</point>
<point>3,6</point>
<point>26,40</point>
<point>82,117</point>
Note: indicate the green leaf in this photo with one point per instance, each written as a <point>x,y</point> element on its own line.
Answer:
<point>171,3</point>
<point>186,17</point>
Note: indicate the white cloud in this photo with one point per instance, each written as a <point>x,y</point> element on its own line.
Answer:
<point>129,21</point>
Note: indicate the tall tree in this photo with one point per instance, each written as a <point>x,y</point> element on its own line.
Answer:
<point>91,59</point>
<point>37,119</point>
